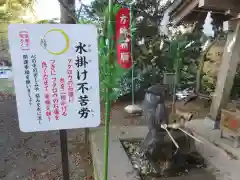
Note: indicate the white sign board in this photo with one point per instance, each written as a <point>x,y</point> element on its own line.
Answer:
<point>56,75</point>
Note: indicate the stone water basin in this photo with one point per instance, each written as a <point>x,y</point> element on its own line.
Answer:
<point>121,166</point>
<point>195,168</point>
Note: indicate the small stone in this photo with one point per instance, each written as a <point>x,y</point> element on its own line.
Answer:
<point>131,150</point>
<point>125,144</point>
<point>138,149</point>
<point>133,109</point>
<point>144,170</point>
<point>136,166</point>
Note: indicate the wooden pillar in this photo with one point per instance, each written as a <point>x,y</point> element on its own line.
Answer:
<point>227,72</point>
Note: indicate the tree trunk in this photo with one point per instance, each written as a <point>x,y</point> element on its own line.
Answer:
<point>67,9</point>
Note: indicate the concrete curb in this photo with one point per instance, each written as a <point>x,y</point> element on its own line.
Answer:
<point>120,167</point>
<point>213,136</point>
<point>218,145</point>
<point>224,165</point>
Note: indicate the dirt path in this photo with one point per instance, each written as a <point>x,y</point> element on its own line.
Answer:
<point>36,156</point>
<point>120,117</point>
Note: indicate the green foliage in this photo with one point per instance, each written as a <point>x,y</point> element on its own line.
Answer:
<point>125,83</point>
<point>178,53</point>
<point>109,77</point>
<point>236,87</point>
<point>151,61</point>
<point>12,10</point>
<point>185,50</point>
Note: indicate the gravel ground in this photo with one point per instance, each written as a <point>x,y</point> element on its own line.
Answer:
<point>36,156</point>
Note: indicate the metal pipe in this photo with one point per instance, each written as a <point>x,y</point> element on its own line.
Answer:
<point>132,44</point>
<point>169,134</point>
<point>196,139</point>
<point>177,126</point>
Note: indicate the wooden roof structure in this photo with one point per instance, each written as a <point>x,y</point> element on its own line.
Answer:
<point>188,11</point>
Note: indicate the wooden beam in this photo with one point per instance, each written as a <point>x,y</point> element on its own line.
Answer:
<point>225,5</point>
<point>231,13</point>
<point>177,17</point>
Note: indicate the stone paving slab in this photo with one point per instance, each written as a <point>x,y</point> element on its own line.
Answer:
<point>200,128</point>
<point>219,152</point>
<point>120,167</point>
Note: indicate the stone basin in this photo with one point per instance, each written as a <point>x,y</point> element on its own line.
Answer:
<point>194,162</point>
<point>120,166</point>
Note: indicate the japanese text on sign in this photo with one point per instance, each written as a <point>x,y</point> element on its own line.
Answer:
<point>36,88</point>
<point>123,38</point>
<point>81,63</point>
<point>24,40</point>
<point>27,74</point>
<point>46,90</point>
<point>53,85</point>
